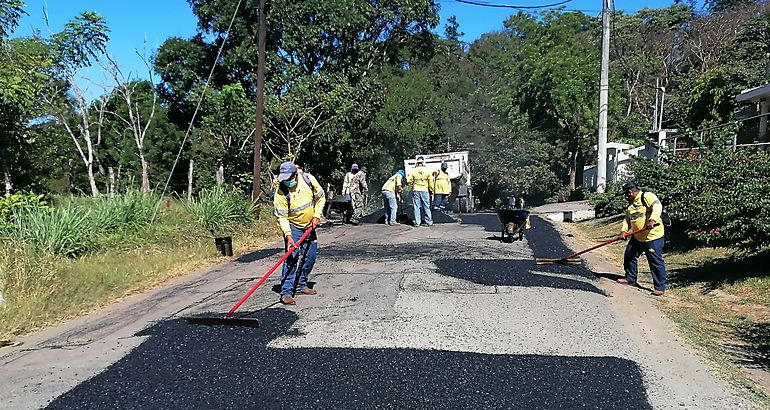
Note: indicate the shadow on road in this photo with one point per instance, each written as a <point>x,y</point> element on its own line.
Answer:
<point>257,255</point>
<point>514,272</point>
<point>186,366</point>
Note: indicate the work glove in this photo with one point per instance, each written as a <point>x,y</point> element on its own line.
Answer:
<point>624,235</point>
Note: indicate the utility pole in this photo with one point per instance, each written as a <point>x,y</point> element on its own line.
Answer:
<point>256,187</point>
<point>604,87</point>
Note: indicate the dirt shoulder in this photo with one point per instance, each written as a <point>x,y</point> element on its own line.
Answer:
<point>711,319</point>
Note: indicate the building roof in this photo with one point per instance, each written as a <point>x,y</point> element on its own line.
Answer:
<point>754,94</point>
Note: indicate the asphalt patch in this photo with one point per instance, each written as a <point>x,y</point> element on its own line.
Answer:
<point>512,272</point>
<point>543,239</point>
<point>406,216</point>
<point>216,367</point>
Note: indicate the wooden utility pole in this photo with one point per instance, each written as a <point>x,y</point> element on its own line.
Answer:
<point>260,121</point>
<point>604,87</point>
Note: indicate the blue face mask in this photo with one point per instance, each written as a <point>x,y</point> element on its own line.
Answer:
<point>291,183</point>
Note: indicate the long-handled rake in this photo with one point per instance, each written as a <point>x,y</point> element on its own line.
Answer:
<point>228,319</point>
<point>573,257</point>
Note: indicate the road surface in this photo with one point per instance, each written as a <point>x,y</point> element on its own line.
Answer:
<point>446,316</point>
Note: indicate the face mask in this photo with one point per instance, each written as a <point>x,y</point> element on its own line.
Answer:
<point>291,184</point>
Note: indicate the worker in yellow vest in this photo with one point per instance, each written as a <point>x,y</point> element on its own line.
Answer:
<point>644,211</point>
<point>421,181</point>
<point>298,203</point>
<point>442,188</point>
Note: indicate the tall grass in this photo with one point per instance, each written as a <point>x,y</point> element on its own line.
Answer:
<point>77,227</point>
<point>61,231</point>
<point>221,211</point>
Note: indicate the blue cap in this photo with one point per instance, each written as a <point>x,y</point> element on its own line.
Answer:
<point>402,173</point>
<point>444,165</point>
<point>286,171</point>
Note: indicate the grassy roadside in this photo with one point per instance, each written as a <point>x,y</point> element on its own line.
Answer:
<point>718,298</point>
<point>43,289</point>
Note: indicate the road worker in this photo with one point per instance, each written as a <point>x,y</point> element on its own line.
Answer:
<point>421,181</point>
<point>299,203</point>
<point>353,187</point>
<point>391,192</point>
<point>442,188</point>
<point>644,211</point>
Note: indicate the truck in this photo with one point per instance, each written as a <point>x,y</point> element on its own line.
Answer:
<point>459,170</point>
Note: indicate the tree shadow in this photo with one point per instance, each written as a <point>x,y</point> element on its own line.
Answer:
<point>257,255</point>
<point>517,273</point>
<point>754,351</point>
<point>713,275</point>
<point>181,365</point>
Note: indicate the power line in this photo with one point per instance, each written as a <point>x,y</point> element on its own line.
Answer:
<point>510,6</point>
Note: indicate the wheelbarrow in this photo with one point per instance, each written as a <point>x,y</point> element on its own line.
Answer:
<point>513,223</point>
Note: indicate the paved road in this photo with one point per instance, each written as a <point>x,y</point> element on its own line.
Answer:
<point>445,316</point>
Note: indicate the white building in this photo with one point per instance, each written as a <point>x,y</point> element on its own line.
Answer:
<point>761,96</point>
<point>619,157</point>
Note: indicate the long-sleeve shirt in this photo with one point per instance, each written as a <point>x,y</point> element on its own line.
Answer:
<point>393,184</point>
<point>305,202</point>
<point>637,216</point>
<point>420,179</point>
<point>354,183</point>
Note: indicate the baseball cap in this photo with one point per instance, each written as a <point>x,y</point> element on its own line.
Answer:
<point>420,159</point>
<point>444,165</point>
<point>286,170</point>
<point>354,166</point>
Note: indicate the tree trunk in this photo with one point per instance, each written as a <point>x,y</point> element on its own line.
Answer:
<point>573,155</point>
<point>111,175</point>
<point>145,173</point>
<point>7,179</point>
<point>221,174</point>
<point>92,180</point>
<point>190,180</point>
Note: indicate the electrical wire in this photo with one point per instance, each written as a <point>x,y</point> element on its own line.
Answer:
<point>198,106</point>
<point>509,6</point>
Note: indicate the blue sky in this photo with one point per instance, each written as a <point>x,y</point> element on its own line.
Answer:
<point>134,23</point>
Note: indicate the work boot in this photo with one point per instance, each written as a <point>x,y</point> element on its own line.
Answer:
<point>624,281</point>
<point>288,300</point>
<point>307,291</point>
<point>658,292</point>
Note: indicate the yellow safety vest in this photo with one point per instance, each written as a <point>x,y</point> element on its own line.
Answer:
<point>420,179</point>
<point>443,184</point>
<point>304,203</point>
<point>637,216</point>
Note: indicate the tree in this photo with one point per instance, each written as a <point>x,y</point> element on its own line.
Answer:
<point>83,39</point>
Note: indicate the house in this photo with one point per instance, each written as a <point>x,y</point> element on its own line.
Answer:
<point>760,97</point>
<point>619,157</point>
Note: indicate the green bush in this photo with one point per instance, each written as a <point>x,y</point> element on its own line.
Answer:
<point>16,203</point>
<point>221,211</point>
<point>610,202</point>
<point>720,197</point>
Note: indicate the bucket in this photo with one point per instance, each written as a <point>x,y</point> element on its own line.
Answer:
<point>224,245</point>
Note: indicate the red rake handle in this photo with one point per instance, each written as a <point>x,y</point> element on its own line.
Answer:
<point>269,272</point>
<point>613,240</point>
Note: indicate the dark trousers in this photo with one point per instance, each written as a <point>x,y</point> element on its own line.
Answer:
<point>654,252</point>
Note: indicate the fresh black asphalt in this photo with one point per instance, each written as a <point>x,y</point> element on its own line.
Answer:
<point>182,366</point>
<point>216,367</point>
